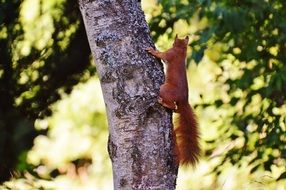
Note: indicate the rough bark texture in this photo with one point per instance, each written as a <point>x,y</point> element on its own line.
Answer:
<point>141,138</point>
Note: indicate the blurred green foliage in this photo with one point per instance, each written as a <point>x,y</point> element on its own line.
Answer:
<point>247,40</point>
<point>79,129</point>
<point>40,57</point>
<point>73,154</point>
<point>237,89</point>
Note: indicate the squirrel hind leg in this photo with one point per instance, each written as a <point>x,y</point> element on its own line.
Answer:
<point>168,96</point>
<point>168,104</point>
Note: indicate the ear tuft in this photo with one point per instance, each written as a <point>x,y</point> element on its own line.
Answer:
<point>186,39</point>
<point>176,37</point>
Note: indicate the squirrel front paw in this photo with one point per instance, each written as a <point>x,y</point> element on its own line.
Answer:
<point>151,50</point>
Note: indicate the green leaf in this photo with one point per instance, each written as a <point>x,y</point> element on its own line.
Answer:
<point>282,176</point>
<point>198,55</point>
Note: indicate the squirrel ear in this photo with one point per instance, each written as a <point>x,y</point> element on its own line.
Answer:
<point>176,37</point>
<point>187,39</point>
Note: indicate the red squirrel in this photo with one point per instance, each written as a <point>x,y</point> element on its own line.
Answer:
<point>174,95</point>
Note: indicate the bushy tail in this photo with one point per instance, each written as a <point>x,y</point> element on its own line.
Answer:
<point>187,136</point>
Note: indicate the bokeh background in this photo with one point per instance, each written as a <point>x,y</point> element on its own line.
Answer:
<point>53,129</point>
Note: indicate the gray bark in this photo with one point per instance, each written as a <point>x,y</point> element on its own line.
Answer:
<point>141,137</point>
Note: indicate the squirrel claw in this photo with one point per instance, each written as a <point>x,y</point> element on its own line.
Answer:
<point>160,100</point>
<point>150,49</point>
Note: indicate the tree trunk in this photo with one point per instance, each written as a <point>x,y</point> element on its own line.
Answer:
<point>141,143</point>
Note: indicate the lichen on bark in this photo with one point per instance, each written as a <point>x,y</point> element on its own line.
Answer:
<point>141,137</point>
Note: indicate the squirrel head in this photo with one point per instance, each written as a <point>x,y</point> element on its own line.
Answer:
<point>181,43</point>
